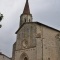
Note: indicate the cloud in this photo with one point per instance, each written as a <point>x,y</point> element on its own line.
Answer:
<point>48,12</point>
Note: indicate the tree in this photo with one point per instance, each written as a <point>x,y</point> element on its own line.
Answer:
<point>1,17</point>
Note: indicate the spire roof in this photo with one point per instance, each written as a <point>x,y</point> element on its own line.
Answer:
<point>26,8</point>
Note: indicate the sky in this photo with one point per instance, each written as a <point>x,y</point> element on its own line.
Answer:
<point>44,11</point>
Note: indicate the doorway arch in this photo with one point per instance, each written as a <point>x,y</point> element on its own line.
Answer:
<point>24,56</point>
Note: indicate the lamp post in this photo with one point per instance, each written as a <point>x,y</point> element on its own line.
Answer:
<point>1,17</point>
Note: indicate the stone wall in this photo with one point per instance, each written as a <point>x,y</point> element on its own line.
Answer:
<point>13,52</point>
<point>47,43</point>
<point>27,32</point>
<point>42,43</point>
<point>3,57</point>
<point>29,53</point>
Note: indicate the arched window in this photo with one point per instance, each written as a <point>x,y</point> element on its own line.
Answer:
<point>25,58</point>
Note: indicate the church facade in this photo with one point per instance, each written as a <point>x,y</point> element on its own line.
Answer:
<point>35,41</point>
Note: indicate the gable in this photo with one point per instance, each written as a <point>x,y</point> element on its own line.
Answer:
<point>38,23</point>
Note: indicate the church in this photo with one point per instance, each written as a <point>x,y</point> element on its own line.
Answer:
<point>35,40</point>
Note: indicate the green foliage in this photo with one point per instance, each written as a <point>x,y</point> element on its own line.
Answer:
<point>1,16</point>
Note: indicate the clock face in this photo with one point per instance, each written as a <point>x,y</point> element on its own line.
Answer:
<point>25,43</point>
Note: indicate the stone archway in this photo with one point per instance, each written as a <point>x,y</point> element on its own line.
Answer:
<point>24,56</point>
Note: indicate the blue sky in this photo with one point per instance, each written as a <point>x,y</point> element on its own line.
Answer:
<point>44,11</point>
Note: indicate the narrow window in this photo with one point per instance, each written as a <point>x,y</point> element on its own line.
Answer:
<point>25,20</point>
<point>29,20</point>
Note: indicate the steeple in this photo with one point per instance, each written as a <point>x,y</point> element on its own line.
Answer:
<point>25,16</point>
<point>26,8</point>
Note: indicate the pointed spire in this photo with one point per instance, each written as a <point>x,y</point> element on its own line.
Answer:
<point>26,8</point>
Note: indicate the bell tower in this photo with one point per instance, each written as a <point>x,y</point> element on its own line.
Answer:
<point>26,16</point>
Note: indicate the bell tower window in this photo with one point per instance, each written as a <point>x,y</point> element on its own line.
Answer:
<point>25,19</point>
